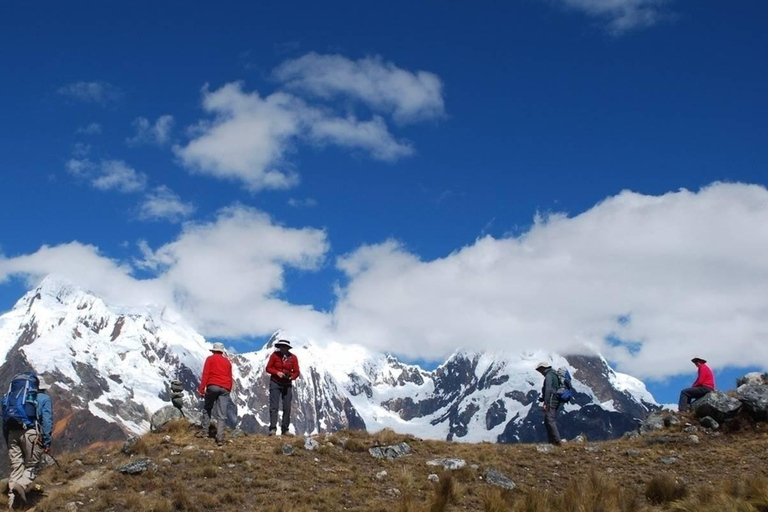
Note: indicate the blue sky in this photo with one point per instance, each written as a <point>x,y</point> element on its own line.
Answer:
<point>414,177</point>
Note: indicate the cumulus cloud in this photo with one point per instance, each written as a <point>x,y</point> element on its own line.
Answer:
<point>250,137</point>
<point>164,204</point>
<point>100,93</point>
<point>91,129</point>
<point>224,276</point>
<point>622,15</point>
<point>146,132</point>
<point>407,95</point>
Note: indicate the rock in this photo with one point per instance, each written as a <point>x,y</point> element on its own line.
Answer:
<point>754,378</point>
<point>653,422</point>
<point>578,439</point>
<point>668,460</point>
<point>342,441</point>
<point>381,475</point>
<point>166,439</point>
<point>755,400</point>
<point>475,467</point>
<point>77,462</point>
<point>175,452</point>
<point>163,416</point>
<point>660,440</point>
<point>633,453</point>
<point>632,434</point>
<point>394,493</point>
<point>391,452</point>
<point>207,454</point>
<point>248,480</point>
<point>709,422</point>
<point>694,439</point>
<point>166,462</point>
<point>237,433</point>
<point>717,405</point>
<point>137,467</point>
<point>545,448</point>
<point>310,444</point>
<point>690,429</point>
<point>592,448</point>
<point>129,445</point>
<point>496,477</point>
<point>70,507</point>
<point>189,448</point>
<point>671,421</point>
<point>288,449</point>
<point>433,478</point>
<point>448,464</point>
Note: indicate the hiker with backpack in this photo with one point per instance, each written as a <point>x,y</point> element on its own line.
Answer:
<point>704,384</point>
<point>283,368</point>
<point>27,423</point>
<point>215,387</point>
<point>555,391</point>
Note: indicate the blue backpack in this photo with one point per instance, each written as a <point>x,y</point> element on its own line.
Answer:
<point>564,388</point>
<point>20,403</point>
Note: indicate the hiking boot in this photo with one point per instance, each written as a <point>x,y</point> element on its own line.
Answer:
<point>201,434</point>
<point>285,433</point>
<point>272,432</point>
<point>219,442</point>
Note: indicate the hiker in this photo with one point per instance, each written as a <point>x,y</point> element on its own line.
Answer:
<point>551,403</point>
<point>215,387</point>
<point>44,423</point>
<point>283,368</point>
<point>25,412</point>
<point>705,383</point>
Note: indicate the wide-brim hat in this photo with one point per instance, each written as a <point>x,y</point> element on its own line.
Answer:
<point>542,366</point>
<point>43,384</point>
<point>218,347</point>
<point>283,343</point>
<point>698,359</point>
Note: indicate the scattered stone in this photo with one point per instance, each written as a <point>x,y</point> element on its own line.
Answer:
<point>545,448</point>
<point>391,452</point>
<point>654,421</point>
<point>237,433</point>
<point>632,434</point>
<point>578,439</point>
<point>448,464</point>
<point>433,478</point>
<point>175,452</point>
<point>668,460</point>
<point>129,444</point>
<point>248,480</point>
<point>70,507</point>
<point>137,467</point>
<point>77,462</point>
<point>231,466</point>
<point>496,477</point>
<point>671,421</point>
<point>163,416</point>
<point>709,422</point>
<point>189,448</point>
<point>393,492</point>
<point>166,462</point>
<point>633,453</point>
<point>166,439</point>
<point>342,441</point>
<point>690,429</point>
<point>755,378</point>
<point>310,444</point>
<point>694,439</point>
<point>329,444</point>
<point>755,400</point>
<point>288,449</point>
<point>475,467</point>
<point>592,448</point>
<point>660,440</point>
<point>206,453</point>
<point>718,405</point>
<point>381,475</point>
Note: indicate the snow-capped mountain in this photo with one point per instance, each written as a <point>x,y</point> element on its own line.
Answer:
<point>111,369</point>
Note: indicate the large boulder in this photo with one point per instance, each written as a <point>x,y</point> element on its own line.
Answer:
<point>718,405</point>
<point>756,378</point>
<point>654,421</point>
<point>163,416</point>
<point>755,400</point>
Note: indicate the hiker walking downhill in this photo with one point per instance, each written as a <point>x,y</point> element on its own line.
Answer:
<point>283,368</point>
<point>705,383</point>
<point>551,402</point>
<point>27,423</point>
<point>215,387</point>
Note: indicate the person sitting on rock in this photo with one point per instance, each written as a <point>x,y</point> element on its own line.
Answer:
<point>705,383</point>
<point>215,387</point>
<point>283,368</point>
<point>551,403</point>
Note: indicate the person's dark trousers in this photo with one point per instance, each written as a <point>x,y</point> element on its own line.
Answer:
<point>216,404</point>
<point>689,394</point>
<point>277,393</point>
<point>550,423</point>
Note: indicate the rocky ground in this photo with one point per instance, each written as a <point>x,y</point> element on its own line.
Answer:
<point>675,464</point>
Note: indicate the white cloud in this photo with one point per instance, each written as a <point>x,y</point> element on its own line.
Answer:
<point>91,129</point>
<point>108,174</point>
<point>91,92</point>
<point>158,133</point>
<point>622,15</point>
<point>302,203</point>
<point>225,276</point>
<point>250,137</point>
<point>408,96</point>
<point>687,269</point>
<point>164,204</point>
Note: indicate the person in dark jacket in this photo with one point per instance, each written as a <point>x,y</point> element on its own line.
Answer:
<point>44,422</point>
<point>215,387</point>
<point>550,402</point>
<point>283,368</point>
<point>705,383</point>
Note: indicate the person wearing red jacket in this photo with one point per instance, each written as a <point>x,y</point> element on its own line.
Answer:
<point>215,386</point>
<point>705,383</point>
<point>283,368</point>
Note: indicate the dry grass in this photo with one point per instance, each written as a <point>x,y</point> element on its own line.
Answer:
<point>252,474</point>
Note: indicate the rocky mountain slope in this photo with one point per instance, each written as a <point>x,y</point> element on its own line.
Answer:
<point>111,367</point>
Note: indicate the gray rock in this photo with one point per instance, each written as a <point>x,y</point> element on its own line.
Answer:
<point>668,460</point>
<point>393,492</point>
<point>690,429</point>
<point>660,440</point>
<point>137,467</point>
<point>206,454</point>
<point>632,434</point>
<point>654,421</point>
<point>166,439</point>
<point>496,477</point>
<point>671,421</point>
<point>163,416</point>
<point>475,467</point>
<point>166,462</point>
<point>755,378</point>
<point>633,453</point>
<point>129,444</point>
<point>755,400</point>
<point>189,448</point>
<point>237,433</point>
<point>70,507</point>
<point>592,448</point>
<point>391,452</point>
<point>694,439</point>
<point>448,464</point>
<point>545,448</point>
<point>288,449</point>
<point>709,422</point>
<point>381,475</point>
<point>175,452</point>
<point>310,444</point>
<point>578,439</point>
<point>433,478</point>
<point>717,405</point>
